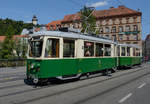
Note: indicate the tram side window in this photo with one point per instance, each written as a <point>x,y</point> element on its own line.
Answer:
<point>99,49</point>
<point>137,52</point>
<point>128,51</point>
<point>123,51</point>
<point>107,50</point>
<point>52,48</point>
<point>88,49</point>
<point>134,52</point>
<point>118,50</point>
<point>68,48</point>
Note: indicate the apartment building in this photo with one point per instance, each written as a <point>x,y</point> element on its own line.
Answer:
<point>119,24</point>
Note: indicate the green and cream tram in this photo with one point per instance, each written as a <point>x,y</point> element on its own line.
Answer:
<point>67,55</point>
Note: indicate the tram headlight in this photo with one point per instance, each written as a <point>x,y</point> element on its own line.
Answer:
<point>32,66</point>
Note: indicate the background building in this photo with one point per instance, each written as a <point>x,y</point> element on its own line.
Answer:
<point>54,25</point>
<point>147,47</point>
<point>122,24</point>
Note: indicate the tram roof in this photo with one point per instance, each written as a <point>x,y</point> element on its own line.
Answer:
<point>71,35</point>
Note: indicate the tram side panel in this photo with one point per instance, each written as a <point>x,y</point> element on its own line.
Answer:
<point>96,64</point>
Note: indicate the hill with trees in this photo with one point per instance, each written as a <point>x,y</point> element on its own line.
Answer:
<point>11,26</point>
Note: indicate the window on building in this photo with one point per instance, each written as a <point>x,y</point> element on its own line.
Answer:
<point>135,37</point>
<point>107,29</point>
<point>107,51</point>
<point>114,29</point>
<point>114,37</point>
<point>128,51</point>
<point>135,27</point>
<point>101,30</point>
<point>128,38</point>
<point>120,29</point>
<point>88,49</point>
<point>99,49</point>
<point>120,37</point>
<point>127,28</point>
<point>68,48</point>
<point>52,48</point>
<point>123,51</point>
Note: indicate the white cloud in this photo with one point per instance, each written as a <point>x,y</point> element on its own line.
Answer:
<point>99,4</point>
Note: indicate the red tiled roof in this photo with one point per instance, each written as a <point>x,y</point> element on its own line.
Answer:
<point>120,11</point>
<point>2,38</point>
<point>53,23</point>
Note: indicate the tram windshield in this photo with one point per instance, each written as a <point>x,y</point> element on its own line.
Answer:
<point>35,49</point>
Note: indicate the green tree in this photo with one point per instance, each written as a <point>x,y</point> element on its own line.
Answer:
<point>88,20</point>
<point>21,47</point>
<point>7,46</point>
<point>17,26</point>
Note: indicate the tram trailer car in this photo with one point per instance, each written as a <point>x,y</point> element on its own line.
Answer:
<point>66,55</point>
<point>129,55</point>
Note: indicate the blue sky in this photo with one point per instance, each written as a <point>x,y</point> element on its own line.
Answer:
<point>49,10</point>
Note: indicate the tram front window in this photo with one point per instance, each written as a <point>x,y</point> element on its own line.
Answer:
<point>35,49</point>
<point>52,48</point>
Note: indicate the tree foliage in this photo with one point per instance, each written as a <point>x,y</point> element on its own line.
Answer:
<point>11,48</point>
<point>7,46</point>
<point>88,20</point>
<point>17,26</point>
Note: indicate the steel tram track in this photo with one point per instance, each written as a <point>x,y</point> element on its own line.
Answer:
<point>72,89</point>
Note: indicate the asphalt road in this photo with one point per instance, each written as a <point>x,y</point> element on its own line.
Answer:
<point>130,86</point>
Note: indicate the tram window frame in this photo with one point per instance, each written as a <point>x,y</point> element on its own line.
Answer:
<point>70,50</point>
<point>99,51</point>
<point>55,48</point>
<point>123,53</point>
<point>107,52</point>
<point>88,49</point>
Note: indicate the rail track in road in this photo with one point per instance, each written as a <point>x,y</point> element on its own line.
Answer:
<point>81,86</point>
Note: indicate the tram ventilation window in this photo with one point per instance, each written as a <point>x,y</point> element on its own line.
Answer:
<point>99,49</point>
<point>88,49</point>
<point>68,48</point>
<point>107,50</point>
<point>52,48</point>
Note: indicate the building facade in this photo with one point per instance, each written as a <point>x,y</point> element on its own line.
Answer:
<point>54,25</point>
<point>121,24</point>
<point>147,47</point>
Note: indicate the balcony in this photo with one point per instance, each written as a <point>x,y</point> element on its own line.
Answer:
<point>129,32</point>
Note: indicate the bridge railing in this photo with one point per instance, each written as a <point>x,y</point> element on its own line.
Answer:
<point>12,62</point>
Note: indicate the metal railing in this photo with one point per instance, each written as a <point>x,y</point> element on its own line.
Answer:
<point>12,62</point>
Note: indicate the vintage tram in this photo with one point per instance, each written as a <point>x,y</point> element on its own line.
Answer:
<point>68,55</point>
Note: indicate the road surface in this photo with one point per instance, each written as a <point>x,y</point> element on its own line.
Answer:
<point>130,86</point>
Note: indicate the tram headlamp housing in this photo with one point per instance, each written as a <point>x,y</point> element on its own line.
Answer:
<point>32,66</point>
